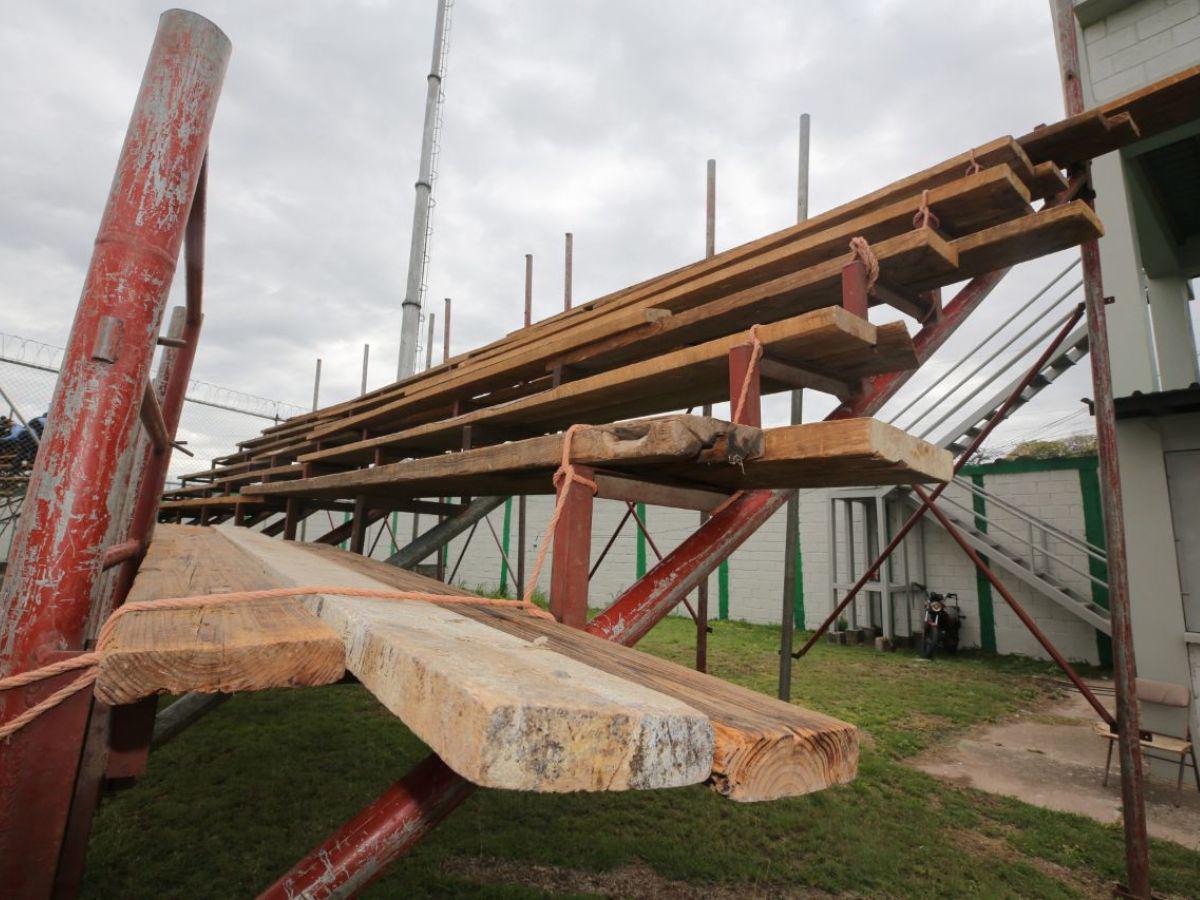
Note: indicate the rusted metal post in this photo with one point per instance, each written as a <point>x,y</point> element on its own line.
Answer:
<point>710,250</point>
<point>521,507</point>
<point>742,371</point>
<point>358,529</point>
<point>59,545</point>
<point>1133,800</point>
<point>854,288</point>
<point>572,552</point>
<point>792,555</point>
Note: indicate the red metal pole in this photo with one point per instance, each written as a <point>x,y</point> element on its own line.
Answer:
<point>1133,801</point>
<point>59,545</point>
<point>361,849</point>
<point>572,552</point>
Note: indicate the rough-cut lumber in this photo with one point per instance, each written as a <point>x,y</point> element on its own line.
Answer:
<point>501,711</point>
<point>764,749</point>
<point>841,346</point>
<point>915,254</point>
<point>528,464</point>
<point>249,646</point>
<point>997,156</point>
<point>842,452</point>
<point>685,449</point>
<point>1143,113</point>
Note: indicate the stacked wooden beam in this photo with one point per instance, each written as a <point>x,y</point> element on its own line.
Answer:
<point>654,347</point>
<point>507,700</point>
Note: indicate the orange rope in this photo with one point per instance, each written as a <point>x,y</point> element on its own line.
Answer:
<point>755,355</point>
<point>91,661</point>
<point>566,472</point>
<point>862,251</point>
<point>974,168</point>
<point>925,217</point>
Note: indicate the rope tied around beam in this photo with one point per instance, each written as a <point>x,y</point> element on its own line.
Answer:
<point>973,167</point>
<point>756,354</point>
<point>90,662</point>
<point>563,478</point>
<point>925,217</point>
<point>863,253</point>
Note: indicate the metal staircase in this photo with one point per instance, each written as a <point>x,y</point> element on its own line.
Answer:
<point>1074,349</point>
<point>1028,556</point>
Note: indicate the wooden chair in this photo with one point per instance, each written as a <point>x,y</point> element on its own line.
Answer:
<point>1166,746</point>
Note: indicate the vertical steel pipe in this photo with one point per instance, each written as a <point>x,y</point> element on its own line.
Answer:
<point>72,497</point>
<point>1133,800</point>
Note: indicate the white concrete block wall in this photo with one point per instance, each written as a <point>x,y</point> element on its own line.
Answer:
<point>1139,44</point>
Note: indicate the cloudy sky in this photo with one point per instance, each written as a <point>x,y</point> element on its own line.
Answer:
<point>590,116</point>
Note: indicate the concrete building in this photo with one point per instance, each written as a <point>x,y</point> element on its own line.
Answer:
<point>1148,200</point>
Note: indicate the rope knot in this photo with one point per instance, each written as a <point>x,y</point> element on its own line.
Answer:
<point>925,217</point>
<point>863,253</point>
<point>974,168</point>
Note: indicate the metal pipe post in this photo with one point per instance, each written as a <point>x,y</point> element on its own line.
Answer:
<point>410,316</point>
<point>521,508</point>
<point>710,249</point>
<point>568,270</point>
<point>791,527</point>
<point>416,516</point>
<point>366,362</point>
<point>1133,801</point>
<point>446,332</point>
<point>58,548</point>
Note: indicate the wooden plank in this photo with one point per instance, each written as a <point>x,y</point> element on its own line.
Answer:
<point>1002,152</point>
<point>1047,231</point>
<point>243,647</point>
<point>838,453</point>
<point>499,710</point>
<point>674,496</point>
<point>221,500</point>
<point>1153,109</point>
<point>830,340</point>
<point>764,749</point>
<point>645,442</point>
<point>691,449</point>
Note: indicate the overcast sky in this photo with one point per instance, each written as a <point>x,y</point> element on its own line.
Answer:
<point>561,115</point>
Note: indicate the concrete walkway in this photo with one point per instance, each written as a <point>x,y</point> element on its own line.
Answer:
<point>1051,758</point>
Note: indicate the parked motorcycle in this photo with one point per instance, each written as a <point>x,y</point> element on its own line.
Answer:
<point>942,623</point>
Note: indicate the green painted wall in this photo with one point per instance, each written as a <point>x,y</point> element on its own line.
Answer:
<point>508,504</point>
<point>983,587</point>
<point>641,541</point>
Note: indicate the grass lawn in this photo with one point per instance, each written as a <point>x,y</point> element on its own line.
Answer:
<point>241,796</point>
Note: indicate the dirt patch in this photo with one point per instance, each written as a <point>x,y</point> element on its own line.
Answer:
<point>997,848</point>
<point>636,880</point>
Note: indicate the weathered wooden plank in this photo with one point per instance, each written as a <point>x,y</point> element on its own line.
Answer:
<point>1143,113</point>
<point>830,340</point>
<point>680,448</point>
<point>764,749</point>
<point>243,647</point>
<point>501,711</point>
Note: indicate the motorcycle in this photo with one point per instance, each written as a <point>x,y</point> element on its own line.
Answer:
<point>942,623</point>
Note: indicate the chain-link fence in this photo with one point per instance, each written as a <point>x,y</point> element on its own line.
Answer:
<point>214,419</point>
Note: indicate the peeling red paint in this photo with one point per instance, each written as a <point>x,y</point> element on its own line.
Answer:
<point>77,485</point>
